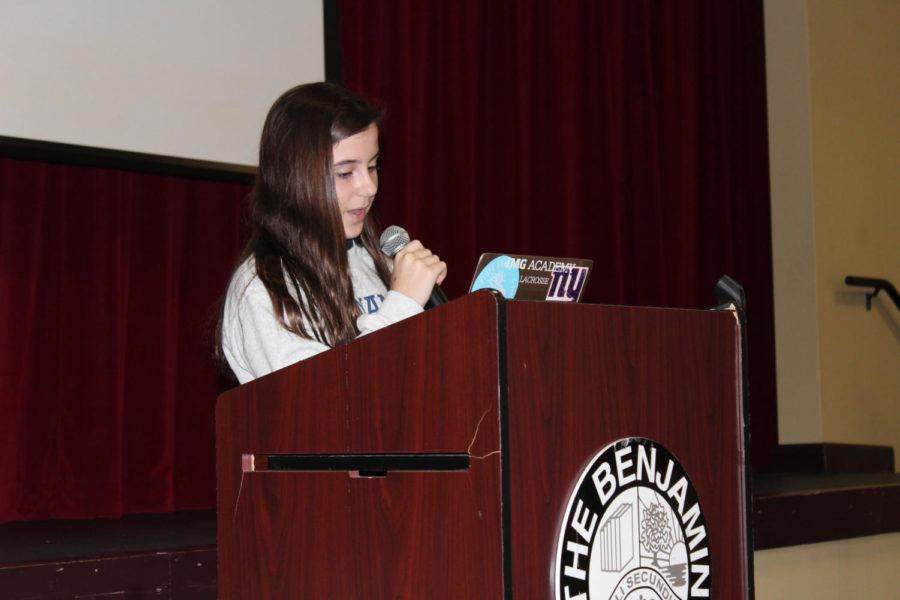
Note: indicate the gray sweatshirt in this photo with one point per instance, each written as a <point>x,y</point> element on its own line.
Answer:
<point>256,344</point>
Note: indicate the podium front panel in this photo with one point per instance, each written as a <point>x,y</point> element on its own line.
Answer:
<point>582,377</point>
<point>427,385</point>
<point>528,393</point>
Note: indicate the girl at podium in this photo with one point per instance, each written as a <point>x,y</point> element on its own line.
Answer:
<point>312,276</point>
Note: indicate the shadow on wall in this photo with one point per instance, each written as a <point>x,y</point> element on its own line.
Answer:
<point>881,305</point>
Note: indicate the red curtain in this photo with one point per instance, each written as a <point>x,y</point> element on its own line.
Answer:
<point>630,132</point>
<point>108,286</point>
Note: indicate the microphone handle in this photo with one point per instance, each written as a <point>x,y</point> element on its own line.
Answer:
<point>393,240</point>
<point>437,298</point>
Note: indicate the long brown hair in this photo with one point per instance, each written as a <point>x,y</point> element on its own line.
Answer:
<point>297,236</point>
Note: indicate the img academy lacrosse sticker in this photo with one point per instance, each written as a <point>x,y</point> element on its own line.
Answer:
<point>633,529</point>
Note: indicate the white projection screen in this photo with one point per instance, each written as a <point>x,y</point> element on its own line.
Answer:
<point>179,78</point>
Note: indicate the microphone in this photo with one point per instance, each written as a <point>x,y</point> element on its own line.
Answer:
<point>393,240</point>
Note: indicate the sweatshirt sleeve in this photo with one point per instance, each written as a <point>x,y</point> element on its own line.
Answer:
<point>379,306</point>
<point>254,341</point>
<point>396,307</point>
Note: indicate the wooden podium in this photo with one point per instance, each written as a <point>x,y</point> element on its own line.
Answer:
<point>437,458</point>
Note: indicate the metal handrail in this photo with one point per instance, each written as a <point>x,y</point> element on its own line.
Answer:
<point>878,284</point>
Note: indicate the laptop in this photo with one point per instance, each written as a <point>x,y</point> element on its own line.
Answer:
<point>541,278</point>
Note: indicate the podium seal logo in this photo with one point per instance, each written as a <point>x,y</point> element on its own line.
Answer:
<point>633,529</point>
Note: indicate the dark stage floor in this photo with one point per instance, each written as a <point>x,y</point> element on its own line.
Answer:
<point>37,541</point>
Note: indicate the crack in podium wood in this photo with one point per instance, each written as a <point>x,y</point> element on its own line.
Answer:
<point>475,437</point>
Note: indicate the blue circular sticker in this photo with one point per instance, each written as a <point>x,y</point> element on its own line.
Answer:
<point>501,274</point>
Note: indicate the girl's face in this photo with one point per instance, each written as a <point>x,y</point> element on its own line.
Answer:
<point>355,165</point>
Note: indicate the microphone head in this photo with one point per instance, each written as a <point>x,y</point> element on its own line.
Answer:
<point>393,240</point>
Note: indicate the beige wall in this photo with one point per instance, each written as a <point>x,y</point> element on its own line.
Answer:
<point>834,87</point>
<point>855,100</point>
<point>793,235</point>
<point>833,77</point>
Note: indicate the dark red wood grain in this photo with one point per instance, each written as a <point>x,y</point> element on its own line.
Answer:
<point>423,385</point>
<point>581,377</point>
<point>570,380</point>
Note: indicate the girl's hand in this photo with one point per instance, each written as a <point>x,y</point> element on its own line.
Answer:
<point>417,271</point>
